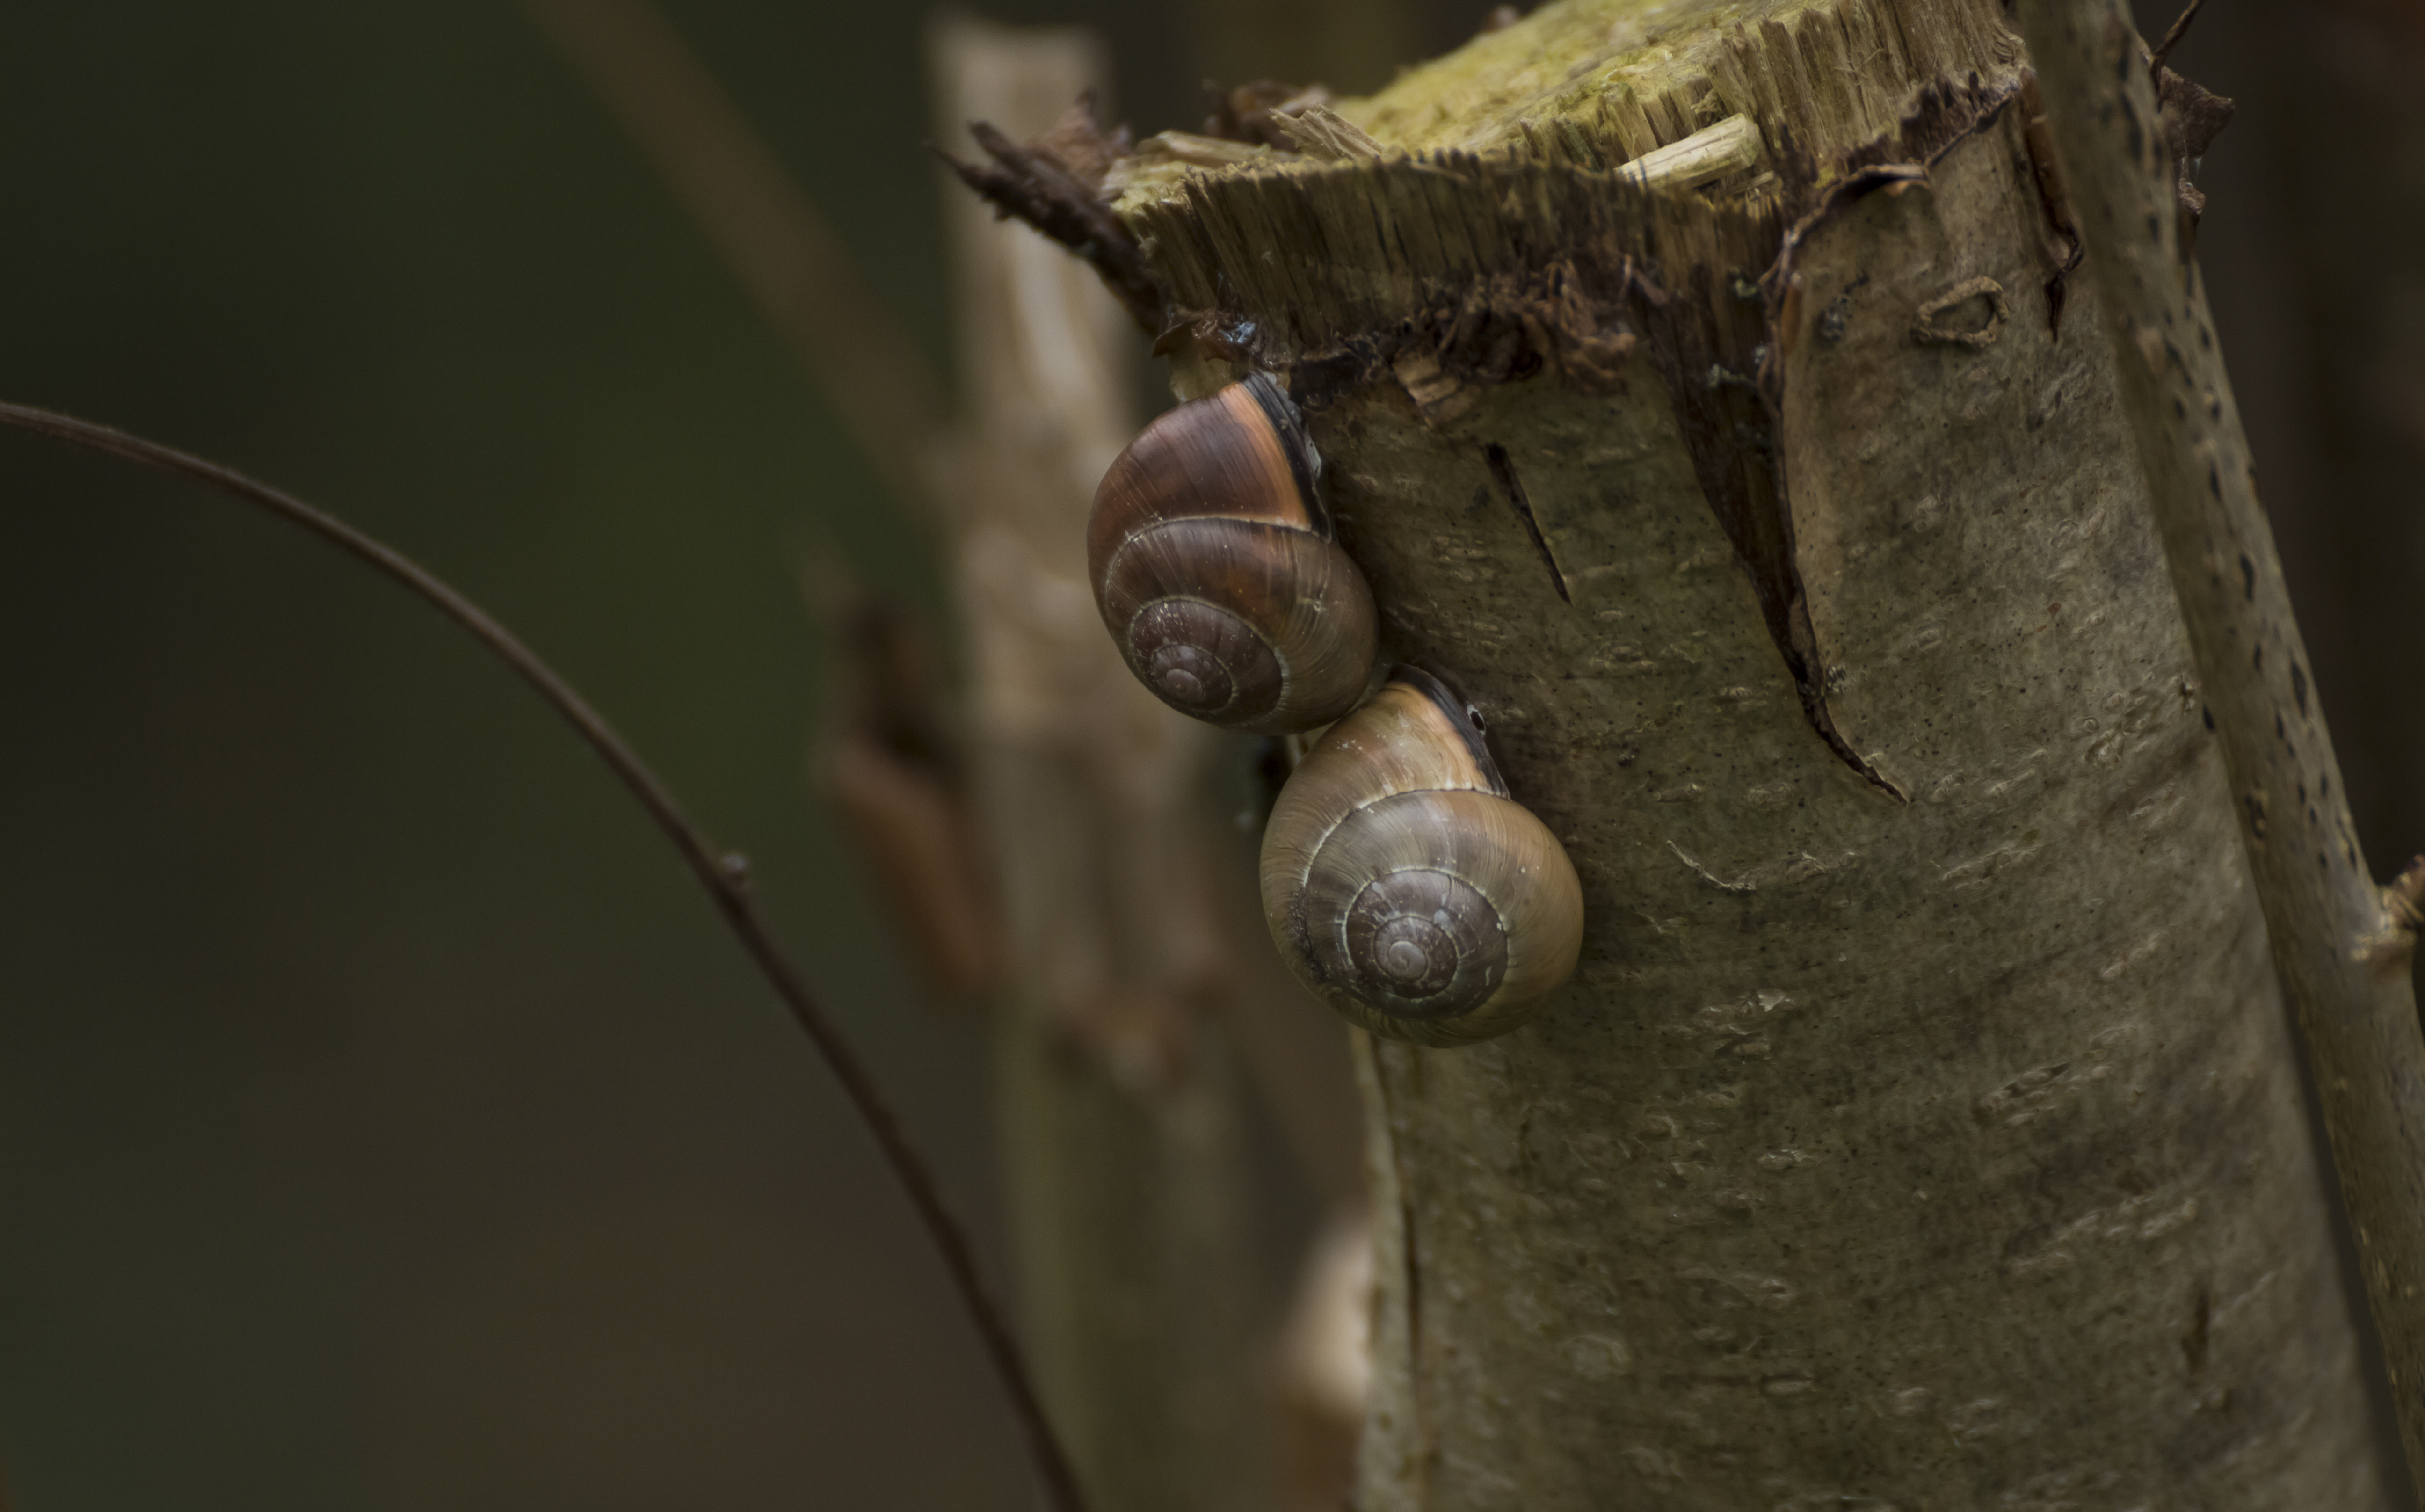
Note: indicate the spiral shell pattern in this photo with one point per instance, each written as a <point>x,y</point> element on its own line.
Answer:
<point>1215,568</point>
<point>1406,887</point>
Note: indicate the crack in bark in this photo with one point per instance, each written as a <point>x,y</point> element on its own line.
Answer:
<point>1722,355</point>
<point>1708,349</point>
<point>1721,352</point>
<point>2054,200</point>
<point>1503,472</point>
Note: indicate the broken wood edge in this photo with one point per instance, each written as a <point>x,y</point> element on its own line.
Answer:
<point>1566,266</point>
<point>1776,125</point>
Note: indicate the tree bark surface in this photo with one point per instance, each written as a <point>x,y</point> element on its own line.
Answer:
<point>2342,952</point>
<point>1924,1127</point>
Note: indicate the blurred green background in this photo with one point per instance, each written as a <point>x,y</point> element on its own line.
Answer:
<point>385,1121</point>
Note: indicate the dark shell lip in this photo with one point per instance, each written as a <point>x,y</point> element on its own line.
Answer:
<point>1305,463</point>
<point>1241,453</point>
<point>1458,714</point>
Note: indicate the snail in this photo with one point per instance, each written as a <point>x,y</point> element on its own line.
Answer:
<point>1215,568</point>
<point>1402,884</point>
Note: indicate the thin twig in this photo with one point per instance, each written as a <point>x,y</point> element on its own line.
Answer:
<point>773,238</point>
<point>2173,35</point>
<point>2404,900</point>
<point>724,876</point>
<point>1032,183</point>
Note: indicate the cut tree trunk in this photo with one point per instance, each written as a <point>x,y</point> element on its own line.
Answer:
<point>1924,1128</point>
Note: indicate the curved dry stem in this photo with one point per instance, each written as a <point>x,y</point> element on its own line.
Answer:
<point>725,877</point>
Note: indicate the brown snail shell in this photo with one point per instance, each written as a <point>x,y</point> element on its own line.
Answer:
<point>1215,568</point>
<point>1402,884</point>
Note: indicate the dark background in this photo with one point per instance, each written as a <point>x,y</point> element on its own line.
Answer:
<point>385,1121</point>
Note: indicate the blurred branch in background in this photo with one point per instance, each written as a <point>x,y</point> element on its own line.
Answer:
<point>2355,237</point>
<point>2328,924</point>
<point>1351,45</point>
<point>1127,954</point>
<point>1131,1195</point>
<point>773,239</point>
<point>1138,963</point>
<point>2315,259</point>
<point>895,769</point>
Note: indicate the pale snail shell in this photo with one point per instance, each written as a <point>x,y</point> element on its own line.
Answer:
<point>1402,884</point>
<point>1214,566</point>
